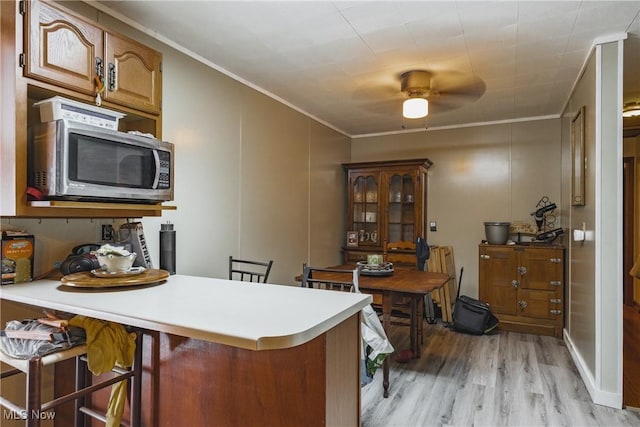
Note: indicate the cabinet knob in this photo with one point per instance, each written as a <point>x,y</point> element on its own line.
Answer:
<point>483,256</point>
<point>555,300</point>
<point>515,283</point>
<point>522,304</point>
<point>556,312</point>
<point>555,283</point>
<point>555,260</point>
<point>522,270</point>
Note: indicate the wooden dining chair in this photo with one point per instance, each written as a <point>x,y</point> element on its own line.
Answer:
<point>330,278</point>
<point>249,271</point>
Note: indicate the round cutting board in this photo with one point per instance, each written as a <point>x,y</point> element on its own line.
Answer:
<point>86,279</point>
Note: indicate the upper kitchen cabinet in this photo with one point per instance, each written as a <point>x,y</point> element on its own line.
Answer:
<point>62,49</point>
<point>387,205</point>
<point>132,74</point>
<point>49,50</point>
<point>69,51</point>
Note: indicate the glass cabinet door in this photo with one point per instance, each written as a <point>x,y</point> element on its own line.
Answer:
<point>401,217</point>
<point>365,209</point>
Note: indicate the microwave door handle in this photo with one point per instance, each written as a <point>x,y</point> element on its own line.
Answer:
<point>156,158</point>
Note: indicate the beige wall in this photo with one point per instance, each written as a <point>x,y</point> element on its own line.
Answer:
<point>482,173</point>
<point>594,312</point>
<point>248,170</point>
<point>581,256</point>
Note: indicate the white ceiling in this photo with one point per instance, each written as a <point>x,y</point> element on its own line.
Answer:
<point>340,62</point>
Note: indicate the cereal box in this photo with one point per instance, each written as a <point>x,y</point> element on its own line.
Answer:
<point>16,257</point>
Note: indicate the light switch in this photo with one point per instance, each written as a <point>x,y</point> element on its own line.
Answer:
<point>433,226</point>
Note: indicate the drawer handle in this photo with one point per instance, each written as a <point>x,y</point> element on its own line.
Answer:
<point>555,283</point>
<point>522,270</point>
<point>556,260</point>
<point>483,256</point>
<point>515,283</point>
<point>522,304</point>
<point>556,312</point>
<point>555,300</point>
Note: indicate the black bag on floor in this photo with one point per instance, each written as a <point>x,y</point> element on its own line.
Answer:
<point>472,316</point>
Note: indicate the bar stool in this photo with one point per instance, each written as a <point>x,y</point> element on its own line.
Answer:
<point>33,412</point>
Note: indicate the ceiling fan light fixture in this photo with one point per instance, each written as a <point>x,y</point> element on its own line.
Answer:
<point>631,110</point>
<point>415,108</point>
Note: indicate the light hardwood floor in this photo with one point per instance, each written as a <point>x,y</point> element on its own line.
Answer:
<point>504,379</point>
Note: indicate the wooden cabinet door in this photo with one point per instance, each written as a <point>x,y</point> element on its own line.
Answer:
<point>364,214</point>
<point>542,269</point>
<point>497,272</point>
<point>541,283</point>
<point>539,304</point>
<point>403,198</point>
<point>62,48</point>
<point>133,74</point>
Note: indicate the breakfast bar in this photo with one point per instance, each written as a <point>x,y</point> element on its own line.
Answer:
<point>232,353</point>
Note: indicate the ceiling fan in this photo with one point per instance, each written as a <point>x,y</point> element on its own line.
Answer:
<point>447,90</point>
<point>417,85</point>
<point>428,91</point>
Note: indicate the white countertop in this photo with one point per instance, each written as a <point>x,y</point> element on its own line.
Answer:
<point>254,316</point>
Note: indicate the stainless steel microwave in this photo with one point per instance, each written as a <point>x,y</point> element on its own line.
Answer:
<point>75,161</point>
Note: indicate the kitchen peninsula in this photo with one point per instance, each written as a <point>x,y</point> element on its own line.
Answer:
<point>233,353</point>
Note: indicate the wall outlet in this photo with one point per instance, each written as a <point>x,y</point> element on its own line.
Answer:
<point>433,226</point>
<point>108,232</point>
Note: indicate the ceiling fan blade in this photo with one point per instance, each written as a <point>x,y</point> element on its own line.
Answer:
<point>383,107</point>
<point>465,85</point>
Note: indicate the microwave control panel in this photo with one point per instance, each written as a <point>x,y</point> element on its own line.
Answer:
<point>164,175</point>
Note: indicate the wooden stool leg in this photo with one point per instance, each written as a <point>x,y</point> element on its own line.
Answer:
<point>81,382</point>
<point>136,384</point>
<point>34,398</point>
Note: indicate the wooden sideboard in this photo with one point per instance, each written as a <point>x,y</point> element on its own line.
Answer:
<point>524,285</point>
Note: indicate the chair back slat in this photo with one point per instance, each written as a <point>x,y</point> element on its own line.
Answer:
<point>330,279</point>
<point>248,270</point>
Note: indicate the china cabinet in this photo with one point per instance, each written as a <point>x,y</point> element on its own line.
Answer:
<point>524,286</point>
<point>386,206</point>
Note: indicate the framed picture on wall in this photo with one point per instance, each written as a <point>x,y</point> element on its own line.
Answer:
<point>578,158</point>
<point>352,239</point>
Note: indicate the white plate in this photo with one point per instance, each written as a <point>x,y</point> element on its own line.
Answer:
<point>131,272</point>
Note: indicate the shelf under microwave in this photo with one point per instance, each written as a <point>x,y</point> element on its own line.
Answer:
<point>98,205</point>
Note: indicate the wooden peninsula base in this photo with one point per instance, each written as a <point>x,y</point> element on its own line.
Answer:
<point>314,384</point>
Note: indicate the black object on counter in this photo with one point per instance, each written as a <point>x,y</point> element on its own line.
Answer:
<point>168,248</point>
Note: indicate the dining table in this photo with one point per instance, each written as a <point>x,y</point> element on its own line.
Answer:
<point>407,282</point>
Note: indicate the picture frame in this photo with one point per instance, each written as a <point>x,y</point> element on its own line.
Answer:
<point>577,158</point>
<point>352,239</point>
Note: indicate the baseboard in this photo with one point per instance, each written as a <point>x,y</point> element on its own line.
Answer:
<point>600,397</point>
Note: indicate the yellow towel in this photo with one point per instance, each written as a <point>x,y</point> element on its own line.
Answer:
<point>108,345</point>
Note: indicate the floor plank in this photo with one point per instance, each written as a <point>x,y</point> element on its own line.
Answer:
<point>504,379</point>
